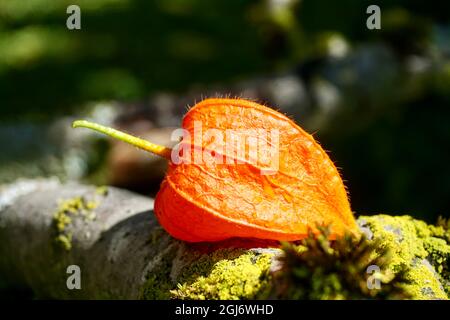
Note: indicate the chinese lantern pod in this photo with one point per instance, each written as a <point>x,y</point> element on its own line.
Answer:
<point>218,189</point>
<point>212,201</point>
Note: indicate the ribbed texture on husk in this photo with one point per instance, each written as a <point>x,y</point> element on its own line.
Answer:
<point>210,202</point>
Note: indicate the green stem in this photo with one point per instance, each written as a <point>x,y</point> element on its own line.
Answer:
<point>137,142</point>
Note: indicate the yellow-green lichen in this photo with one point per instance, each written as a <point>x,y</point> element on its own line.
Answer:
<point>222,274</point>
<point>442,229</point>
<point>439,256</point>
<point>102,190</point>
<point>65,240</point>
<point>414,249</point>
<point>245,276</point>
<point>63,217</point>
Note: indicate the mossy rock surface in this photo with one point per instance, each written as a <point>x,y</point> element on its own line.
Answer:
<point>422,249</point>
<point>125,254</point>
<point>184,272</point>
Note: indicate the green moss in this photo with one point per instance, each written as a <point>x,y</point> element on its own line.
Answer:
<point>158,285</point>
<point>414,246</point>
<point>68,210</point>
<point>323,269</point>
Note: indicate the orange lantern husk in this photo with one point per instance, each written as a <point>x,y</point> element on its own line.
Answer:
<point>230,193</point>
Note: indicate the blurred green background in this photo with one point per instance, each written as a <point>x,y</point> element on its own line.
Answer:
<point>377,100</point>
